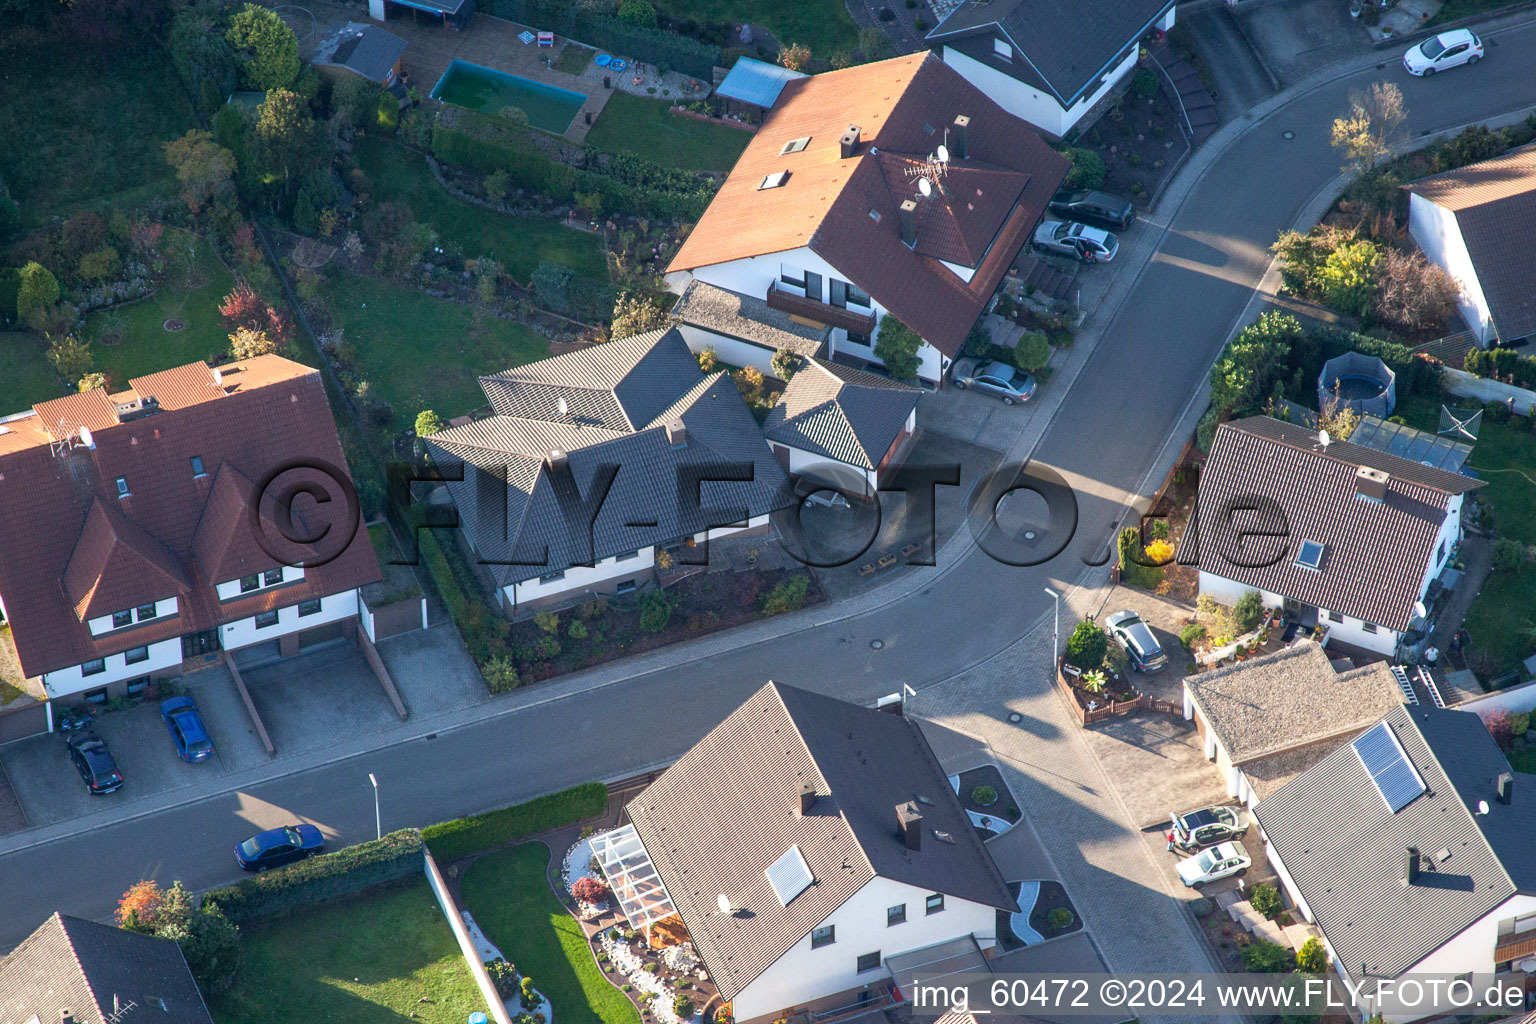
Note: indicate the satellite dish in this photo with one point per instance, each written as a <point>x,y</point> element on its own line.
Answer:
<point>1323,438</point>
<point>1482,807</point>
<point>943,154</point>
<point>85,437</point>
<point>1419,610</point>
<point>565,407</point>
<point>724,902</point>
<point>925,187</point>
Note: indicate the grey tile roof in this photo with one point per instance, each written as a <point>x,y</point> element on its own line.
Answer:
<point>1344,848</point>
<point>364,49</point>
<point>748,319</point>
<point>1064,45</point>
<point>1377,552</point>
<point>1288,699</point>
<point>514,507</point>
<point>95,970</point>
<point>846,414</point>
<point>727,809</point>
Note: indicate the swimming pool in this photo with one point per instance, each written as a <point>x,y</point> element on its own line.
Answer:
<point>478,88</point>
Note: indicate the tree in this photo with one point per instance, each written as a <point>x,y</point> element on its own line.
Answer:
<point>242,307</point>
<point>1266,957</point>
<point>749,381</point>
<point>1248,610</point>
<point>200,51</point>
<point>633,315</point>
<point>92,381</point>
<point>70,356</point>
<point>638,12</point>
<point>1372,131</point>
<point>1033,351</point>
<point>795,56</point>
<point>785,362</point>
<point>205,169</point>
<point>896,345</point>
<point>1265,899</point>
<point>874,43</point>
<point>427,423</point>
<point>589,890</point>
<point>708,360</point>
<point>267,48</point>
<point>1413,294</point>
<point>248,343</point>
<point>1312,958</point>
<point>139,908</point>
<point>37,289</point>
<point>498,183</point>
<point>1337,417</point>
<point>1086,645</point>
<point>211,944</point>
<point>1255,365</point>
<point>285,135</point>
<point>1088,169</point>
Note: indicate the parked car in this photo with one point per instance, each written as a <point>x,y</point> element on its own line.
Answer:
<point>1006,382</point>
<point>1206,827</point>
<point>187,732</point>
<point>1214,864</point>
<point>1145,653</point>
<point>1446,50</point>
<point>1068,238</point>
<point>277,846</point>
<point>94,762</point>
<point>1099,209</point>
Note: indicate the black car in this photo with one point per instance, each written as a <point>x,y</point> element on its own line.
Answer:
<point>1100,209</point>
<point>276,846</point>
<point>1207,827</point>
<point>94,762</point>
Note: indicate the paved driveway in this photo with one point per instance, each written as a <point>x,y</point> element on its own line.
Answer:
<point>1297,37</point>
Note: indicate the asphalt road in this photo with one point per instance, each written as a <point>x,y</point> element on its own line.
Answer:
<point>1106,434</point>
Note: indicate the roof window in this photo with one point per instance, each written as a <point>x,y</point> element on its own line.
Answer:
<point>874,215</point>
<point>122,487</point>
<point>774,180</point>
<point>197,466</point>
<point>795,146</point>
<point>1311,555</point>
<point>789,875</point>
<point>1002,49</point>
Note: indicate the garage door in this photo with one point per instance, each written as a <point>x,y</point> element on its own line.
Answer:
<point>320,635</point>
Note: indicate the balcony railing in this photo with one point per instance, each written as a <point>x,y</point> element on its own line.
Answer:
<point>820,312</point>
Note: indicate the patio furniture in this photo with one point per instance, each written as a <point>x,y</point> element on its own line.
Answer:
<point>546,39</point>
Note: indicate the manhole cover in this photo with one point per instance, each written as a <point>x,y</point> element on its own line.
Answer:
<point>1015,717</point>
<point>1287,134</point>
<point>175,324</point>
<point>875,645</point>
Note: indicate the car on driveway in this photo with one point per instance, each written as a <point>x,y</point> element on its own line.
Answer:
<point>94,762</point>
<point>186,727</point>
<point>1206,827</point>
<point>995,378</point>
<point>1446,50</point>
<point>1099,209</point>
<point>1214,864</point>
<point>1068,238</point>
<point>1145,653</point>
<point>277,846</point>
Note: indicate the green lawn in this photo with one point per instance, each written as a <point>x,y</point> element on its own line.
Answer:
<point>647,128</point>
<point>1454,9</point>
<point>1500,619</point>
<point>823,25</point>
<point>574,58</point>
<point>424,353</point>
<point>28,379</point>
<point>384,956</point>
<point>510,898</point>
<point>401,175</point>
<point>83,127</point>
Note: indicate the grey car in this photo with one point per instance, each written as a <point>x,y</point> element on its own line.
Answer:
<point>1146,654</point>
<point>1079,241</point>
<point>1006,382</point>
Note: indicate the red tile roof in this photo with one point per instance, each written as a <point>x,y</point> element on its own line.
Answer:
<point>70,548</point>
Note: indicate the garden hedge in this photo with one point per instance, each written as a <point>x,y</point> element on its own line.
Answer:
<point>452,839</point>
<point>1503,364</point>
<point>329,876</point>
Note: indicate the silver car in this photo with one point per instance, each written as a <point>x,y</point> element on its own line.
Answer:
<point>1006,382</point>
<point>1069,238</point>
<point>1214,864</point>
<point>1146,654</point>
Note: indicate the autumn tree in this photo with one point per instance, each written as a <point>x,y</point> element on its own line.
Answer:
<point>139,908</point>
<point>205,169</point>
<point>92,381</point>
<point>633,314</point>
<point>247,343</point>
<point>590,890</point>
<point>242,307</point>
<point>1372,131</point>
<point>795,56</point>
<point>70,356</point>
<point>267,48</point>
<point>749,381</point>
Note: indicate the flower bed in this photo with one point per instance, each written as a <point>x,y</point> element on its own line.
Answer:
<point>1120,698</point>
<point>624,958</point>
<point>578,864</point>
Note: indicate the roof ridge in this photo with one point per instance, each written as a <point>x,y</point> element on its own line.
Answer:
<point>1337,451</point>
<point>69,942</point>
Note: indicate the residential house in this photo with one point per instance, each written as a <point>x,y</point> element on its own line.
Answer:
<point>889,188</point>
<point>673,456</point>
<point>1472,222</point>
<point>73,971</point>
<point>1046,61</point>
<point>1338,535</point>
<point>842,427</point>
<point>805,844</point>
<point>363,50</point>
<point>1267,720</point>
<point>1409,848</point>
<point>163,523</point>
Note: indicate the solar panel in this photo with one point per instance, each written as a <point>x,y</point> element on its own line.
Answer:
<point>789,875</point>
<point>1388,766</point>
<point>1311,555</point>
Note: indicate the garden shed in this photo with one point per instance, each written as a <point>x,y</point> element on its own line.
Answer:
<point>754,85</point>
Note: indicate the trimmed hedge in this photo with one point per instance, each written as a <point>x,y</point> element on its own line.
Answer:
<point>1503,364</point>
<point>329,876</point>
<point>462,836</point>
<point>667,50</point>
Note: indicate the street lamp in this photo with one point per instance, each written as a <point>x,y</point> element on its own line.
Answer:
<point>1055,626</point>
<point>378,824</point>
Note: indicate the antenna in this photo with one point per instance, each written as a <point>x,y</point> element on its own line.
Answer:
<point>925,187</point>
<point>942,153</point>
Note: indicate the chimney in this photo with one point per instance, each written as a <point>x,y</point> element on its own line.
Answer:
<point>677,434</point>
<point>957,138</point>
<point>909,824</point>
<point>807,799</point>
<point>1410,865</point>
<point>1506,782</point>
<point>1371,483</point>
<point>557,461</point>
<point>66,1016</point>
<point>849,143</point>
<point>909,223</point>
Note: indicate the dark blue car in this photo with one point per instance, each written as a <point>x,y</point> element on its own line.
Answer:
<point>187,732</point>
<point>279,846</point>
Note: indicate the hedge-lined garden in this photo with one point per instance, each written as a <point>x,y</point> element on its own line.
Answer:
<point>329,876</point>
<point>462,836</point>
<point>667,50</point>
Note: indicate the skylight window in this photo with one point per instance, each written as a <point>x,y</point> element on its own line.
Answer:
<point>1311,555</point>
<point>122,487</point>
<point>789,875</point>
<point>1387,764</point>
<point>795,146</point>
<point>874,215</point>
<point>774,180</point>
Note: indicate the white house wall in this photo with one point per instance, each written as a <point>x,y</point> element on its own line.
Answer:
<point>163,609</point>
<point>230,589</point>
<point>1448,538</point>
<point>162,654</point>
<point>829,469</point>
<point>243,632</point>
<point>728,349</point>
<point>579,577</point>
<point>804,974</point>
<point>1036,106</point>
<point>1469,952</point>
<point>1439,235</point>
<point>1227,592</point>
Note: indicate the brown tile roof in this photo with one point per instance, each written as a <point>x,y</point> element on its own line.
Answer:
<point>1376,552</point>
<point>1495,207</point>
<point>902,107</point>
<point>728,809</point>
<point>265,412</point>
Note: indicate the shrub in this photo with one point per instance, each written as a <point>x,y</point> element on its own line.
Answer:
<point>1033,351</point>
<point>1508,555</point>
<point>682,1006</point>
<point>1412,293</point>
<point>529,999</point>
<point>1191,635</point>
<point>1088,169</point>
<point>896,346</point>
<point>1519,723</point>
<point>577,630</point>
<point>500,674</point>
<point>1201,907</point>
<point>784,363</point>
<point>1265,899</point>
<point>1249,610</point>
<point>70,356</point>
<point>100,265</point>
<point>452,839</point>
<point>655,611</point>
<point>1312,958</point>
<point>708,360</point>
<point>795,56</point>
<point>549,622</point>
<point>37,289</point>
<point>503,976</point>
<point>326,877</point>
<point>1499,727</point>
<point>1255,366</point>
<point>1160,551</point>
<point>1347,277</point>
<point>788,596</point>
<point>983,796</point>
<point>268,49</point>
<point>634,314</point>
<point>1086,645</point>
<point>1144,83</point>
<point>749,382</point>
<point>638,12</point>
<point>1267,958</point>
<point>590,890</point>
<point>1059,918</point>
